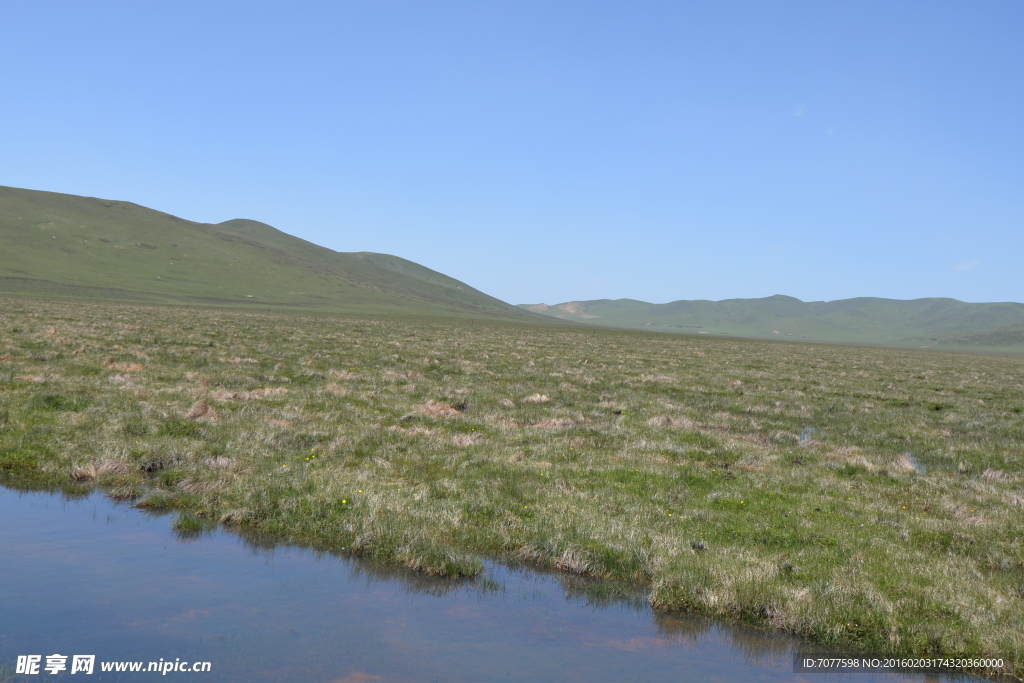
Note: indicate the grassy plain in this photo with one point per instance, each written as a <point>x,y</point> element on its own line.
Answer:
<point>862,497</point>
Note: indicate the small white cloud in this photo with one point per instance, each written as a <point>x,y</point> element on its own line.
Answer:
<point>966,265</point>
<point>799,112</point>
<point>829,131</point>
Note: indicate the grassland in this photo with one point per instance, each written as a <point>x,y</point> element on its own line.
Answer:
<point>863,498</point>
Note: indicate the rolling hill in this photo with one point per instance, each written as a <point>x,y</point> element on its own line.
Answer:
<point>66,245</point>
<point>942,323</point>
<point>69,246</point>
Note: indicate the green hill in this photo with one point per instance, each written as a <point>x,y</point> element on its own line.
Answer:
<point>65,245</point>
<point>945,323</point>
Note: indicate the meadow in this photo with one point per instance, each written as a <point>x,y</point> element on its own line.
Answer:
<point>865,498</point>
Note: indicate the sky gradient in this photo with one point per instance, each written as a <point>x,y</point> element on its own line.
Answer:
<point>554,151</point>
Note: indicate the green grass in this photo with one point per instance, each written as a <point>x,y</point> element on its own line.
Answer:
<point>861,497</point>
<point>70,246</point>
<point>945,324</point>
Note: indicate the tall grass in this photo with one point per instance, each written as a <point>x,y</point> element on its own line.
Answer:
<point>864,498</point>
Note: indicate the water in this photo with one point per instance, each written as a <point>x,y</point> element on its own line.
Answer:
<point>91,576</point>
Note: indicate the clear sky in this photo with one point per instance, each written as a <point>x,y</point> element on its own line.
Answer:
<point>554,151</point>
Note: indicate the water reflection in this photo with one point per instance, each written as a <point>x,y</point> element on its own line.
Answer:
<point>83,574</point>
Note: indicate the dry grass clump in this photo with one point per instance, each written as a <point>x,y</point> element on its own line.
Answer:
<point>664,420</point>
<point>576,561</point>
<point>255,395</point>
<point>656,378</point>
<point>342,374</point>
<point>84,472</point>
<point>903,464</point>
<point>201,410</point>
<point>412,431</point>
<point>122,367</point>
<point>111,466</point>
<point>554,423</point>
<point>336,390</point>
<point>860,497</point>
<point>994,475</point>
<point>434,408</point>
<point>394,376</point>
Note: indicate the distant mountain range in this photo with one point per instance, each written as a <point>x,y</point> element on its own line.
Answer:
<point>938,323</point>
<point>65,245</point>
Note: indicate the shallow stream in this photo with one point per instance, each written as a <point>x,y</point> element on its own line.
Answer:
<point>92,576</point>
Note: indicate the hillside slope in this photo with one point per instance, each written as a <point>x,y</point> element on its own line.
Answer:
<point>66,245</point>
<point>918,322</point>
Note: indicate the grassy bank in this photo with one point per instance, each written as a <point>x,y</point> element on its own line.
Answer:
<point>860,497</point>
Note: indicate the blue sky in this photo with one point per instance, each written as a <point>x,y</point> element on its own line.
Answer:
<point>554,151</point>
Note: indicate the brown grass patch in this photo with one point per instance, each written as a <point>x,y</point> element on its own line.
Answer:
<point>575,561</point>
<point>201,410</point>
<point>279,423</point>
<point>190,486</point>
<point>433,408</point>
<point>237,361</point>
<point>255,394</point>
<point>336,390</point>
<point>402,376</point>
<point>536,398</point>
<point>664,420</point>
<point>463,440</point>
<point>93,470</point>
<point>110,466</point>
<point>84,473</point>
<point>993,475</point>
<point>554,423</point>
<point>903,464</point>
<point>122,367</point>
<point>412,431</point>
<point>342,374</point>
